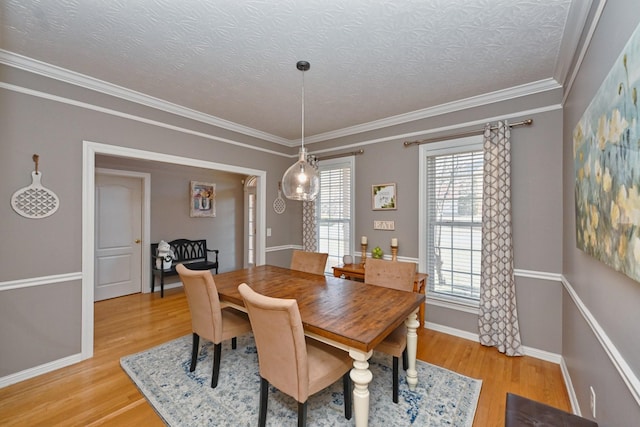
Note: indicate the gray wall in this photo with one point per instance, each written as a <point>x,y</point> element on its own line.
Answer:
<point>610,299</point>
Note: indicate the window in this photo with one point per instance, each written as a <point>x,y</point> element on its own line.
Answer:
<point>334,209</point>
<point>451,216</point>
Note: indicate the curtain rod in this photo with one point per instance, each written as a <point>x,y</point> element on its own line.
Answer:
<point>527,122</point>
<point>335,156</point>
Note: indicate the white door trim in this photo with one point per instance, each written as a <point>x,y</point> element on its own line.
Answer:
<point>89,151</point>
<point>146,219</point>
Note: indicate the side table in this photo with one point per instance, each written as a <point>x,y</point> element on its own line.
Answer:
<point>356,272</point>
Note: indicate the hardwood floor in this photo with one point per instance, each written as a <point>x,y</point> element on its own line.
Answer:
<point>98,392</point>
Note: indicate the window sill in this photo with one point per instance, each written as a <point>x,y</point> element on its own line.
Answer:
<point>453,303</point>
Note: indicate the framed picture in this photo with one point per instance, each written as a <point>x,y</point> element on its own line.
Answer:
<point>383,197</point>
<point>202,199</point>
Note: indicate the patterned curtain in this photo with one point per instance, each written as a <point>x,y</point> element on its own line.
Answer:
<point>498,318</point>
<point>309,242</point>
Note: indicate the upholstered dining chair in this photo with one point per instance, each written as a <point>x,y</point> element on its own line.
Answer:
<point>396,275</point>
<point>208,319</point>
<point>296,365</point>
<point>309,262</point>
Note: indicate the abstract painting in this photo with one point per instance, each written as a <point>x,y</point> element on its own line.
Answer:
<point>202,199</point>
<point>606,154</point>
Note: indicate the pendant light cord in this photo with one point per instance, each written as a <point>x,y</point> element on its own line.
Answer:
<point>302,140</point>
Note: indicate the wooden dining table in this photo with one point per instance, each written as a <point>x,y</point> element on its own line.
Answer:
<point>350,315</point>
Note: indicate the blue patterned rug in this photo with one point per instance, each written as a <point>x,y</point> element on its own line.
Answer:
<point>183,398</point>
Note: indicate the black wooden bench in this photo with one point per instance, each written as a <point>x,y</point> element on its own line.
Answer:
<point>192,253</point>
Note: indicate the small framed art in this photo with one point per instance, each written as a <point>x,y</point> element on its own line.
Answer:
<point>202,199</point>
<point>383,197</point>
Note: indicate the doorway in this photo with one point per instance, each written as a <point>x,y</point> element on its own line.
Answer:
<point>89,152</point>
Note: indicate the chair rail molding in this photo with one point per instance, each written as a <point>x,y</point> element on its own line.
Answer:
<point>621,365</point>
<point>40,281</point>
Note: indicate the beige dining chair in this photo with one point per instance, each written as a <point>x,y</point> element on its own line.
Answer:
<point>309,262</point>
<point>296,365</point>
<point>208,319</point>
<point>396,275</point>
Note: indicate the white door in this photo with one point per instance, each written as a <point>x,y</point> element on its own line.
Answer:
<point>118,251</point>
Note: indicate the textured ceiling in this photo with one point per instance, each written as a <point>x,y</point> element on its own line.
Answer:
<point>235,59</point>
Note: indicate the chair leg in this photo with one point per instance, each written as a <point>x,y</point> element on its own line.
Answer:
<point>234,343</point>
<point>405,359</point>
<point>194,351</point>
<point>348,396</point>
<point>302,414</point>
<point>264,395</point>
<point>217,349</point>
<point>395,379</point>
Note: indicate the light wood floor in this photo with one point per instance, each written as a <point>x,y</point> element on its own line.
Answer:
<point>98,392</point>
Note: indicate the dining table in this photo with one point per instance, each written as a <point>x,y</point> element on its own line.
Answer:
<point>350,315</point>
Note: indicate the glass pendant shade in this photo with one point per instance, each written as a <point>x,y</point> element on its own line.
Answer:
<point>301,181</point>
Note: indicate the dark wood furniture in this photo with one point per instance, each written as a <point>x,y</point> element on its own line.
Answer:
<point>193,253</point>
<point>356,272</point>
<point>523,412</point>
<point>349,315</point>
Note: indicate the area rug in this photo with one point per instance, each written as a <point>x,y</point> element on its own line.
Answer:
<point>183,398</point>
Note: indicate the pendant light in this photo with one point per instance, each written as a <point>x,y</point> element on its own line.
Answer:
<point>300,181</point>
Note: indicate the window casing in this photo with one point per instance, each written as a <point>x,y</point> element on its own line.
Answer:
<point>335,209</point>
<point>451,218</point>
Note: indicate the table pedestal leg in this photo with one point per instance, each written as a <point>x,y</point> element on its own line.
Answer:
<point>412,347</point>
<point>361,377</point>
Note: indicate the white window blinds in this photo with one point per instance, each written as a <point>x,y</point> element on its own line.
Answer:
<point>334,209</point>
<point>454,222</point>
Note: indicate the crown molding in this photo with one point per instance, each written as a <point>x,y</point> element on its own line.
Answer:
<point>576,20</point>
<point>450,107</point>
<point>57,73</point>
<point>87,82</point>
<point>116,113</point>
<point>583,51</point>
<point>443,129</point>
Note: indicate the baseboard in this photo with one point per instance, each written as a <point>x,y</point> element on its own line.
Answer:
<point>40,370</point>
<point>528,351</point>
<point>575,406</point>
<point>167,286</point>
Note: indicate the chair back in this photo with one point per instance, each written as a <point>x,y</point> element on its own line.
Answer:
<point>204,302</point>
<point>309,262</point>
<point>391,274</point>
<point>279,335</point>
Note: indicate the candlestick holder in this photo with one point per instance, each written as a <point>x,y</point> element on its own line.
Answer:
<point>363,249</point>
<point>394,253</point>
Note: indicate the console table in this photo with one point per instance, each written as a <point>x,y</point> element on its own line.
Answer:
<point>356,271</point>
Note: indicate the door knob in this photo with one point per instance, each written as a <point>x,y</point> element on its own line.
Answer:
<point>137,240</point>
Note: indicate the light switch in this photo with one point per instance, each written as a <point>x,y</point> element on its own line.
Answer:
<point>268,231</point>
